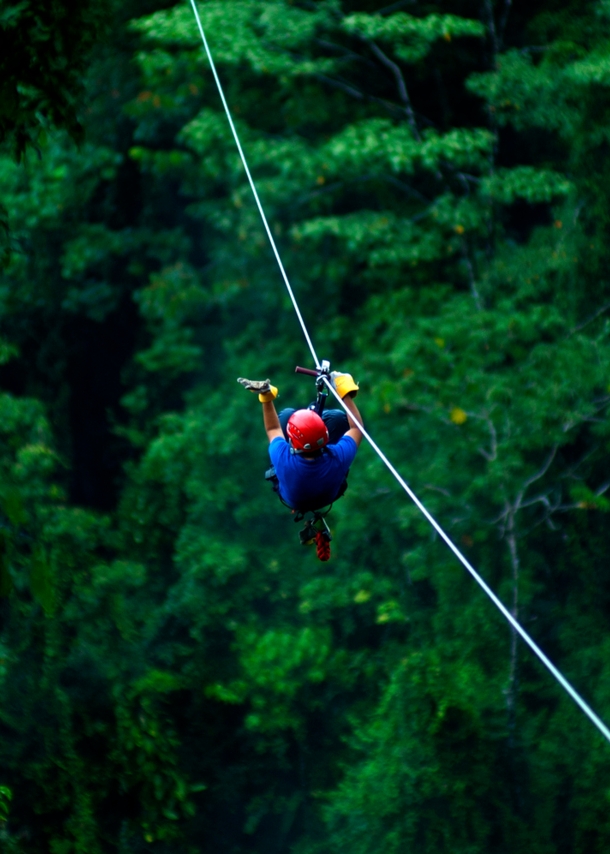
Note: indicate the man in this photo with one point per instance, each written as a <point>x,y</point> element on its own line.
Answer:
<point>311,454</point>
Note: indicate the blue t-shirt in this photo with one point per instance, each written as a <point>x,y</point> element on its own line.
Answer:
<point>308,484</point>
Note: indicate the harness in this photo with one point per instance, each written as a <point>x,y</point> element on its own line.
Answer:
<point>315,528</point>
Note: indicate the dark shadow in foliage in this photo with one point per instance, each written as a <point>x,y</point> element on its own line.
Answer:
<point>98,354</point>
<point>44,49</point>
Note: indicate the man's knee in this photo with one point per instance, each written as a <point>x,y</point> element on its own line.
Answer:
<point>336,423</point>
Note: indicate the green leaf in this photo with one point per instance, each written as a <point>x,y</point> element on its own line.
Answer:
<point>525,182</point>
<point>413,37</point>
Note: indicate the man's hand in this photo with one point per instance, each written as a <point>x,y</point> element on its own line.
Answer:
<point>344,384</point>
<point>263,388</point>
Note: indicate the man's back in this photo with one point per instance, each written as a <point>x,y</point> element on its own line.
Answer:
<point>314,482</point>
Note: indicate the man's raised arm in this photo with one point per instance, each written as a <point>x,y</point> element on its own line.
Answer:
<point>266,394</point>
<point>354,430</point>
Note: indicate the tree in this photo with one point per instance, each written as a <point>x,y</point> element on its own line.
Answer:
<point>45,48</point>
<point>427,173</point>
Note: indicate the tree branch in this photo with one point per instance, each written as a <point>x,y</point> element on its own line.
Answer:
<point>356,93</point>
<point>492,29</point>
<point>471,277</point>
<point>396,182</point>
<point>345,87</point>
<point>402,86</point>
<point>542,471</point>
<point>491,455</point>
<point>503,21</point>
<point>345,52</point>
<point>589,320</point>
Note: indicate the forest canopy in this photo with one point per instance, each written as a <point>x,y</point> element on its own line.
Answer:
<point>178,674</point>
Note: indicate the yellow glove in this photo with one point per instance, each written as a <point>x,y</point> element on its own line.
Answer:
<point>265,390</point>
<point>344,384</point>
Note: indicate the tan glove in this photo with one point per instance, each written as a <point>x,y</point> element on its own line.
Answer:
<point>344,384</point>
<point>265,390</point>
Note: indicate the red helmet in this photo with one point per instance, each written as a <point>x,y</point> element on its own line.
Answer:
<point>306,431</point>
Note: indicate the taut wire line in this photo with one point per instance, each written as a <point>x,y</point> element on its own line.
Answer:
<point>484,586</point>
<point>254,192</point>
<point>514,623</point>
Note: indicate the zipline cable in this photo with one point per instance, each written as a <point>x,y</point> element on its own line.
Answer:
<point>513,622</point>
<point>252,186</point>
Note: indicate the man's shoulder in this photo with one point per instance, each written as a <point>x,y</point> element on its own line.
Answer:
<point>345,443</point>
<point>345,449</point>
<point>347,440</point>
<point>278,447</point>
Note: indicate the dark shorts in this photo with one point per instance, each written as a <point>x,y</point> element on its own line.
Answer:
<point>335,420</point>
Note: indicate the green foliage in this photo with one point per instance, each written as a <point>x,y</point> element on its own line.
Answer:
<point>413,37</point>
<point>177,674</point>
<point>44,48</point>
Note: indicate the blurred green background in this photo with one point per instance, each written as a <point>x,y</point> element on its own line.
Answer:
<point>178,675</point>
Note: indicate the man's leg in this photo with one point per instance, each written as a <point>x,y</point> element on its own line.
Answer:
<point>284,415</point>
<point>335,420</point>
<point>336,424</point>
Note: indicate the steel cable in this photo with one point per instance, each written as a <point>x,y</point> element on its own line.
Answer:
<point>253,187</point>
<point>503,610</point>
